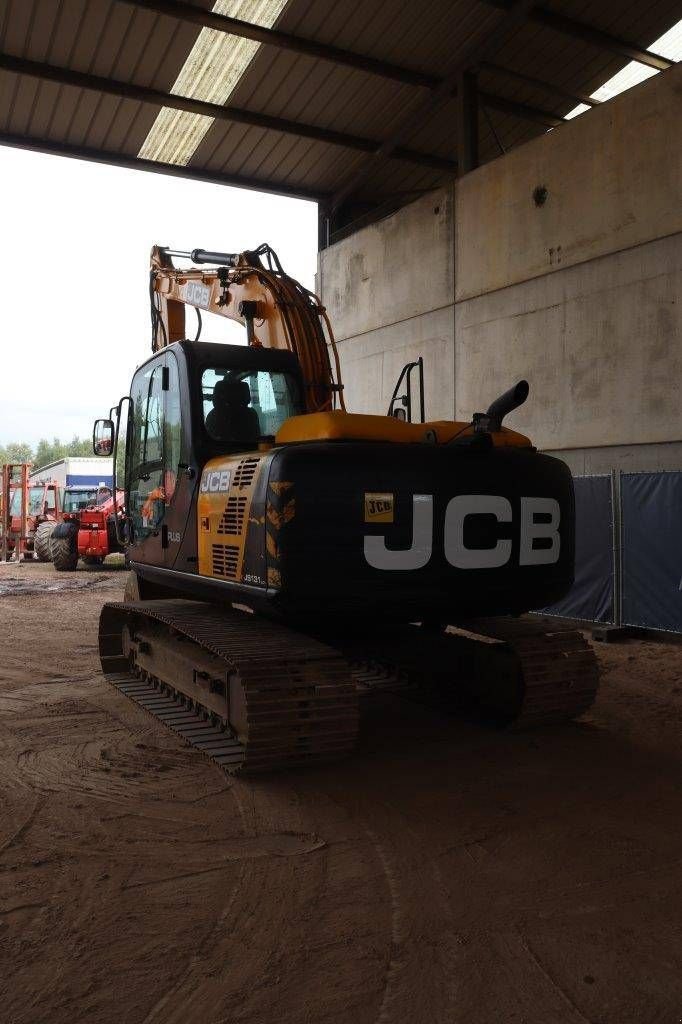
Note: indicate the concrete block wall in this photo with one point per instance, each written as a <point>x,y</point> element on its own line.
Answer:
<point>580,294</point>
<point>389,292</point>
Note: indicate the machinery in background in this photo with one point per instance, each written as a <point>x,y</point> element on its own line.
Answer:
<point>287,556</point>
<point>30,510</point>
<point>88,529</point>
<point>79,497</point>
<point>74,471</point>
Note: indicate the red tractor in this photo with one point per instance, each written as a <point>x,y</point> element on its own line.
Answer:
<point>29,513</point>
<point>88,533</point>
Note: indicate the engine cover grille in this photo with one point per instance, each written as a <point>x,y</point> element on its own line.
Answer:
<point>245,472</point>
<point>225,559</point>
<point>232,519</point>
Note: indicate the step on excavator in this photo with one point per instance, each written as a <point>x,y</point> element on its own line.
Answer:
<point>287,557</point>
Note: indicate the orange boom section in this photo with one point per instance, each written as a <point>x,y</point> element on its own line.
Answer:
<point>252,289</point>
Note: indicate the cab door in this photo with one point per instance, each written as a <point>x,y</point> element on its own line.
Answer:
<point>156,465</point>
<point>179,477</point>
<point>145,499</point>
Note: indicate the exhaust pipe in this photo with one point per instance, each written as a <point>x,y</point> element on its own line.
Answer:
<point>490,421</point>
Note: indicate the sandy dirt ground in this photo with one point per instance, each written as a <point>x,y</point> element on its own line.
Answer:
<point>447,873</point>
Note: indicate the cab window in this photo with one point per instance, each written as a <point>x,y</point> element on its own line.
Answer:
<point>39,497</point>
<point>245,406</point>
<point>145,453</point>
<point>155,447</point>
<point>172,429</point>
<point>78,498</point>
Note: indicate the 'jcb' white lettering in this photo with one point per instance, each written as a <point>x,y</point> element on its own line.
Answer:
<point>414,557</point>
<point>379,556</point>
<point>217,480</point>
<point>530,531</point>
<point>475,505</point>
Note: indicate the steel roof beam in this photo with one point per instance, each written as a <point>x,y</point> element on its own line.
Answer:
<point>285,41</point>
<point>109,157</point>
<point>571,95</point>
<point>482,48</point>
<point>143,94</point>
<point>602,40</point>
<point>522,110</point>
<point>588,34</point>
<point>183,11</point>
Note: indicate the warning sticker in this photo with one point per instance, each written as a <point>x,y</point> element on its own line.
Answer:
<point>378,507</point>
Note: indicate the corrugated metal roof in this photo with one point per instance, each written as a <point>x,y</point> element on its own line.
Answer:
<point>100,37</point>
<point>118,40</point>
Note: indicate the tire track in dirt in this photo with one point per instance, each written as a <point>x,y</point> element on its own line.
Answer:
<point>277,949</point>
<point>422,950</point>
<point>24,826</point>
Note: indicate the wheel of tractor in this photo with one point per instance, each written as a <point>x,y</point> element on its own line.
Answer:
<point>41,541</point>
<point>64,547</point>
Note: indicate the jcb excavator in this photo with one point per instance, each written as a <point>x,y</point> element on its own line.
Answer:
<point>287,556</point>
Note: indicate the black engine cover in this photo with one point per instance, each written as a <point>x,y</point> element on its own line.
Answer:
<point>407,532</point>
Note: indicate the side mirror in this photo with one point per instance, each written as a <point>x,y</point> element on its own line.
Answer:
<point>103,437</point>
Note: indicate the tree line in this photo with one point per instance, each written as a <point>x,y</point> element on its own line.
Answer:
<point>45,451</point>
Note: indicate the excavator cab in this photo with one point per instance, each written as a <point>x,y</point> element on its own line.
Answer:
<point>190,403</point>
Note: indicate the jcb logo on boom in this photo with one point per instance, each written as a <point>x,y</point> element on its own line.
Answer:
<point>456,552</point>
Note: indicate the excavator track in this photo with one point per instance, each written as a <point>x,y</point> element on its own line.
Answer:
<point>257,696</point>
<point>521,672</point>
<point>558,673</point>
<point>254,696</point>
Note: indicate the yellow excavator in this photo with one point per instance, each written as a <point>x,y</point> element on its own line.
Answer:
<point>288,557</point>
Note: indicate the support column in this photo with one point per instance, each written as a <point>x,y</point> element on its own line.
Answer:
<point>323,227</point>
<point>467,122</point>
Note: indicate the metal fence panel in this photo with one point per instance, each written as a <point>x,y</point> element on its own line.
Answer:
<point>592,595</point>
<point>652,550</point>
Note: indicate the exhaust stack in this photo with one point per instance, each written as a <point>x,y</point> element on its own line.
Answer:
<point>490,421</point>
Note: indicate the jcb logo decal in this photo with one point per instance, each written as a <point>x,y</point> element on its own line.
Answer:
<point>197,294</point>
<point>215,482</point>
<point>378,508</point>
<point>379,556</point>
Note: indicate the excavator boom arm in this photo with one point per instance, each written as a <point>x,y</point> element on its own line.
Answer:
<point>276,310</point>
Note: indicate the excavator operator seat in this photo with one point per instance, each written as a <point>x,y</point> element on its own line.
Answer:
<point>232,418</point>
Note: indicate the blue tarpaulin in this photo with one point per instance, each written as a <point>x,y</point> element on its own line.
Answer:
<point>592,594</point>
<point>651,506</point>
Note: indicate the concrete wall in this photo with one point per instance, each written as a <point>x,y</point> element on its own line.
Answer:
<point>581,294</point>
<point>599,344</point>
<point>613,180</point>
<point>389,292</point>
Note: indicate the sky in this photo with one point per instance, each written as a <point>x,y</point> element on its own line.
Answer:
<point>76,238</point>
